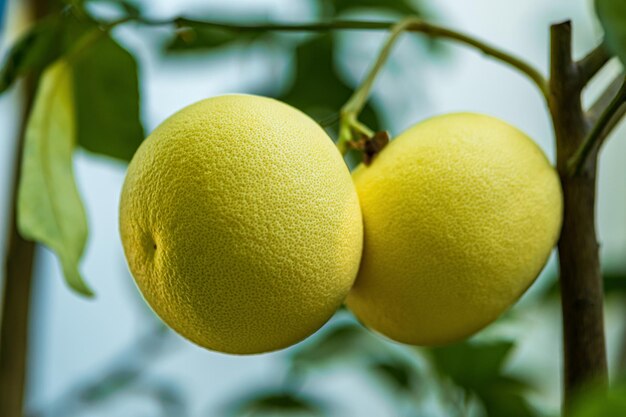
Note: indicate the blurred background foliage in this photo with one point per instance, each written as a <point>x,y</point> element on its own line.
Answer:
<point>467,379</point>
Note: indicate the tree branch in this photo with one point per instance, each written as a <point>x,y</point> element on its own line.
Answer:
<point>604,99</point>
<point>18,269</point>
<point>609,117</point>
<point>418,26</point>
<point>584,358</point>
<point>14,321</point>
<point>593,62</point>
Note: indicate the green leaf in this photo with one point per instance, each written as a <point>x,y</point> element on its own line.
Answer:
<point>317,88</point>
<point>336,344</point>
<point>398,375</point>
<point>477,368</point>
<point>132,8</point>
<point>34,51</point>
<point>597,403</point>
<point>505,397</point>
<point>171,398</point>
<point>194,37</point>
<point>612,15</point>
<point>276,403</point>
<point>110,385</point>
<point>403,7</point>
<point>614,281</point>
<point>472,365</point>
<point>106,90</point>
<point>49,209</point>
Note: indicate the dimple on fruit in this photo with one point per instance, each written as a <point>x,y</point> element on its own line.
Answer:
<point>241,224</point>
<point>460,215</point>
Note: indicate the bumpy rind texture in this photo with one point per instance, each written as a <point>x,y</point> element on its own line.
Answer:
<point>460,215</point>
<point>241,224</point>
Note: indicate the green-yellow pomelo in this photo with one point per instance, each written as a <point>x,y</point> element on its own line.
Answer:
<point>241,224</point>
<point>460,215</point>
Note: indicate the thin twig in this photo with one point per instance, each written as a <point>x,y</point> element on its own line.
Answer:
<point>615,109</point>
<point>604,99</point>
<point>357,101</point>
<point>417,26</point>
<point>592,63</point>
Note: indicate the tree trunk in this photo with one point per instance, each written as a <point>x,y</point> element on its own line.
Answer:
<point>584,358</point>
<point>17,280</point>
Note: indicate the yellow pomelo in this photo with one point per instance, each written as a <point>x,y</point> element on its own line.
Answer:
<point>241,224</point>
<point>460,215</point>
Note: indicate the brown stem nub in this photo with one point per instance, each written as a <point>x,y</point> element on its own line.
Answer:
<point>370,146</point>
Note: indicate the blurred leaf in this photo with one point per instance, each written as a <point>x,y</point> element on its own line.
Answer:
<point>113,383</point>
<point>126,382</point>
<point>337,343</point>
<point>193,37</point>
<point>276,404</point>
<point>167,395</point>
<point>399,375</point>
<point>477,368</point>
<point>317,89</point>
<point>597,403</point>
<point>612,15</point>
<point>403,7</point>
<point>126,371</point>
<point>49,209</point>
<point>106,90</point>
<point>75,3</point>
<point>505,397</point>
<point>32,52</point>
<point>122,376</point>
<point>614,281</point>
<point>131,8</point>
<point>472,365</point>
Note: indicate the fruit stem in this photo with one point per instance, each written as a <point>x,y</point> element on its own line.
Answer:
<point>357,101</point>
<point>349,123</point>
